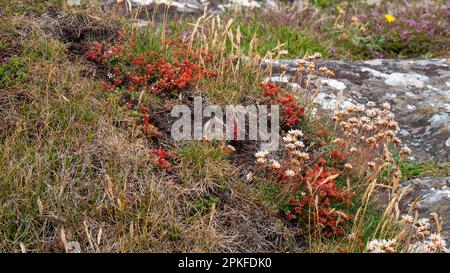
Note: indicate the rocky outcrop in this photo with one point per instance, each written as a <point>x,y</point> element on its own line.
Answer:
<point>434,196</point>
<point>418,90</point>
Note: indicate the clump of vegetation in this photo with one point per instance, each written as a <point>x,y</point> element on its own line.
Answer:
<point>398,29</point>
<point>352,29</point>
<point>75,173</point>
<point>88,164</point>
<point>412,169</point>
<point>328,187</point>
<point>415,236</point>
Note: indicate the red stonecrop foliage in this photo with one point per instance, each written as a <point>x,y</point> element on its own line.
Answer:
<point>148,128</point>
<point>153,72</point>
<point>270,89</point>
<point>291,111</point>
<point>309,182</point>
<point>320,192</point>
<point>161,156</point>
<point>317,191</point>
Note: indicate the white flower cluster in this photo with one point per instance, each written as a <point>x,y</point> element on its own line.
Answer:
<point>369,124</point>
<point>423,227</point>
<point>423,240</point>
<point>294,146</point>
<point>434,244</point>
<point>382,246</point>
<point>261,157</point>
<point>407,219</point>
<point>307,64</point>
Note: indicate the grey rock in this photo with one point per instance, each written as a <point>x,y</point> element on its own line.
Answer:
<point>73,247</point>
<point>434,196</point>
<point>418,91</point>
<point>437,120</point>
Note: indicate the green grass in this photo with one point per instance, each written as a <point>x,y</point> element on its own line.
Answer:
<point>203,205</point>
<point>298,43</point>
<point>321,28</point>
<point>270,196</point>
<point>268,35</point>
<point>417,169</point>
<point>21,7</point>
<point>66,165</point>
<point>13,71</point>
<point>204,163</point>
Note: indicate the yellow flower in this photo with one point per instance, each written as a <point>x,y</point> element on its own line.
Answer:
<point>389,18</point>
